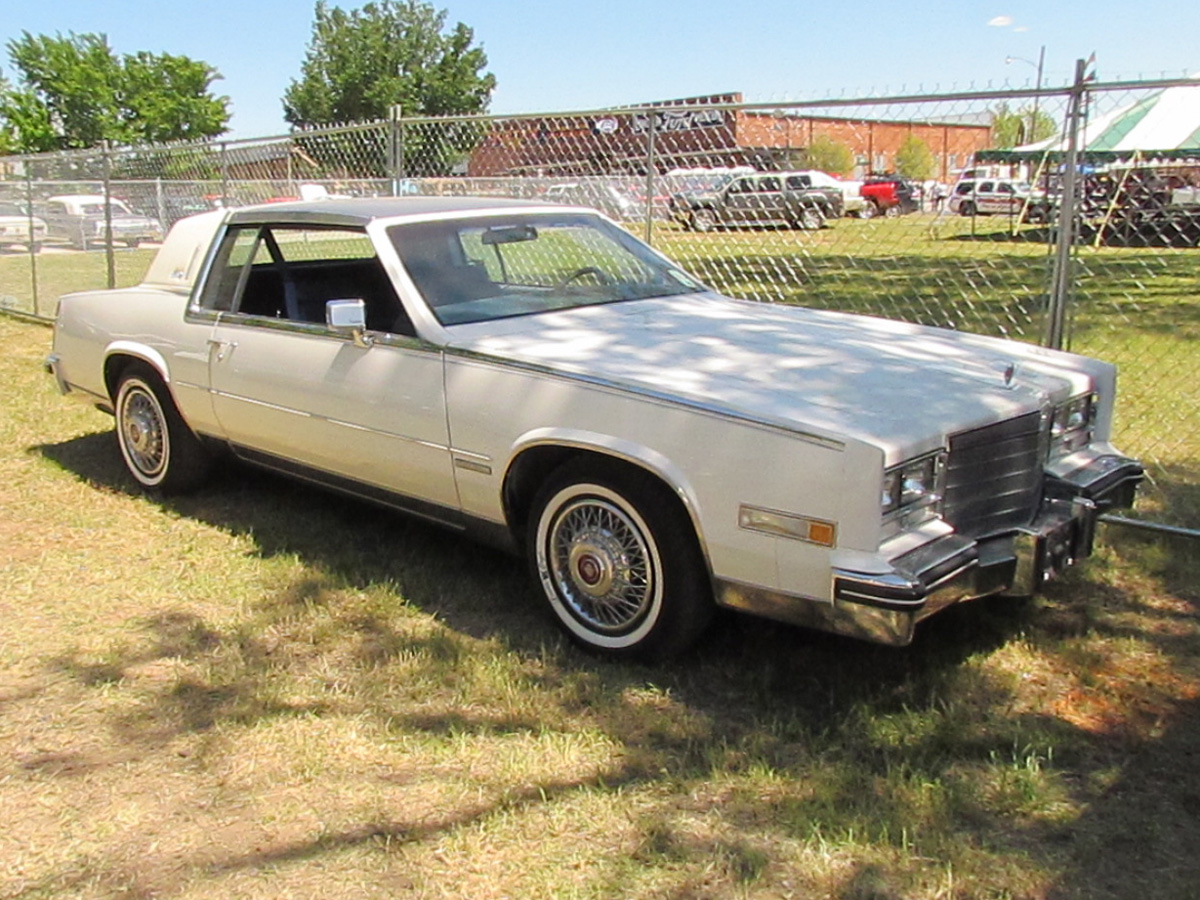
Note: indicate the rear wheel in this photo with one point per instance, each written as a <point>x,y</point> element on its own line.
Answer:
<point>618,561</point>
<point>159,449</point>
<point>811,218</point>
<point>869,210</point>
<point>703,220</point>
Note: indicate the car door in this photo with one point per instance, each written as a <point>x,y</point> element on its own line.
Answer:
<point>741,202</point>
<point>770,205</point>
<point>291,393</point>
<point>59,222</point>
<point>1006,201</point>
<point>986,198</point>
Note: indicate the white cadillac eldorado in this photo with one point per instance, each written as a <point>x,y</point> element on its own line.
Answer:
<point>534,376</point>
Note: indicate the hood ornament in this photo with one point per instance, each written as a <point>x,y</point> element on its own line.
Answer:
<point>1010,373</point>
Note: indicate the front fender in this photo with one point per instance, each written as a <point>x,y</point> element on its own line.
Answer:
<point>627,451</point>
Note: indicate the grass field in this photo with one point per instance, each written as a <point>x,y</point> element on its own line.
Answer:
<point>262,691</point>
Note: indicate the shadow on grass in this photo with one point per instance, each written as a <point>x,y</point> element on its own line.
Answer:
<point>856,737</point>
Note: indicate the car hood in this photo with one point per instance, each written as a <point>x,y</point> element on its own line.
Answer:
<point>899,386</point>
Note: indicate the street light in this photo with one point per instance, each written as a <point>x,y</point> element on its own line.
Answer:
<point>1037,86</point>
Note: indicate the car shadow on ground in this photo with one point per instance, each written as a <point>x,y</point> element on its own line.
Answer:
<point>751,692</point>
<point>457,579</point>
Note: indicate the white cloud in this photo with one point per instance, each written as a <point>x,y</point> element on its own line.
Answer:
<point>1001,22</point>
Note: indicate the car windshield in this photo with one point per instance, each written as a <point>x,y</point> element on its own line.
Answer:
<point>11,209</point>
<point>476,270</point>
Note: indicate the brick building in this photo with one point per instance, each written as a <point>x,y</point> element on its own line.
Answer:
<point>708,132</point>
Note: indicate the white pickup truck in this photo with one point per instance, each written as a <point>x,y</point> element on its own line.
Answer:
<point>853,202</point>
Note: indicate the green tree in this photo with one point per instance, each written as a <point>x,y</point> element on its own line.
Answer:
<point>1024,126</point>
<point>75,92</point>
<point>166,98</point>
<point>915,160</point>
<point>392,52</point>
<point>828,155</point>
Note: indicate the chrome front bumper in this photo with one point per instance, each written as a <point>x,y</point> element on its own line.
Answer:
<point>885,608</point>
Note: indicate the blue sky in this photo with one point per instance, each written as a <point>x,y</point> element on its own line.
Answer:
<point>552,55</point>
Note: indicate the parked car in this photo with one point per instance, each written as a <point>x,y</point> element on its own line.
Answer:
<point>79,219</point>
<point>18,228</point>
<point>889,195</point>
<point>601,195</point>
<point>535,376</point>
<point>853,202</point>
<point>774,198</point>
<point>1000,197</point>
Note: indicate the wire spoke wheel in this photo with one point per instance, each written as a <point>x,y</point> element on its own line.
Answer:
<point>159,449</point>
<point>142,430</point>
<point>602,565</point>
<point>618,560</point>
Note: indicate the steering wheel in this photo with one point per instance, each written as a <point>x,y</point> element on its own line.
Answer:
<point>599,274</point>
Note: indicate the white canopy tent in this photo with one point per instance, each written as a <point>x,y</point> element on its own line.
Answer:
<point>1166,121</point>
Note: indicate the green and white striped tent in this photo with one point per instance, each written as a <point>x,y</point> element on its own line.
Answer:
<point>1165,123</point>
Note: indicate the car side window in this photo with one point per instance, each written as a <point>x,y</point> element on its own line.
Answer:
<point>965,188</point>
<point>290,272</point>
<point>987,187</point>
<point>768,184</point>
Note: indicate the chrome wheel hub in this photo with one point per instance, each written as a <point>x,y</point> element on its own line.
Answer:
<point>600,564</point>
<point>143,430</point>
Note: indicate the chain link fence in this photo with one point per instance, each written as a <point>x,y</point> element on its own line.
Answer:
<point>1085,245</point>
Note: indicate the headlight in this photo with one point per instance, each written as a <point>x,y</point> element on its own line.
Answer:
<point>1071,424</point>
<point>912,485</point>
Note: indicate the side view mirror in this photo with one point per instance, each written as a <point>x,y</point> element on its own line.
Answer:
<point>348,317</point>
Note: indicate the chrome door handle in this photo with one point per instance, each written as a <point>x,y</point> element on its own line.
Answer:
<point>220,347</point>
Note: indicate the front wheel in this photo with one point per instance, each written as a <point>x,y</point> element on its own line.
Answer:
<point>869,210</point>
<point>618,561</point>
<point>159,449</point>
<point>811,218</point>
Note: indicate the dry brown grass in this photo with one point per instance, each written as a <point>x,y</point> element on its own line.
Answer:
<point>262,691</point>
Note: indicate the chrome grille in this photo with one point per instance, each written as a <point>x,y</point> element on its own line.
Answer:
<point>994,476</point>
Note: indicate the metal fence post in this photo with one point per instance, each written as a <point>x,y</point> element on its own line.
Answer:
<point>1061,279</point>
<point>395,160</point>
<point>160,200</point>
<point>224,148</point>
<point>33,246</point>
<point>109,257</point>
<point>650,172</point>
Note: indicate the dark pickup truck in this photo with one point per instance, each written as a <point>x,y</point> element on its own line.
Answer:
<point>769,198</point>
